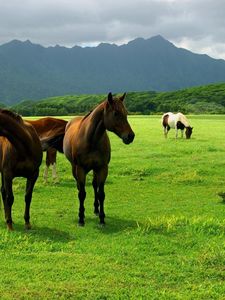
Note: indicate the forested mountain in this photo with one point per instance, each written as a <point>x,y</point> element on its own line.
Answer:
<point>30,72</point>
<point>202,99</point>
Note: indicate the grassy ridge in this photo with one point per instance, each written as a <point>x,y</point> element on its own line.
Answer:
<point>165,231</point>
<point>203,99</point>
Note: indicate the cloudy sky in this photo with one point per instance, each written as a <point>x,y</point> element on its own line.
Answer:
<point>197,25</point>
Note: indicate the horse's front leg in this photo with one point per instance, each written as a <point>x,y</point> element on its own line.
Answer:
<point>182,133</point>
<point>95,187</point>
<point>101,178</point>
<point>176,130</point>
<point>28,197</point>
<point>8,199</point>
<point>80,176</point>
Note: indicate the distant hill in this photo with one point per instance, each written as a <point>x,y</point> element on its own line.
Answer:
<point>202,99</point>
<point>30,72</point>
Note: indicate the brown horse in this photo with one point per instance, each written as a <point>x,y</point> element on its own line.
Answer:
<point>20,156</point>
<point>87,147</point>
<point>49,127</point>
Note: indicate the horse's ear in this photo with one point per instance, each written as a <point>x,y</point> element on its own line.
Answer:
<point>123,97</point>
<point>110,98</point>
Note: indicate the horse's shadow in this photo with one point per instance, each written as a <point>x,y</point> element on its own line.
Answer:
<point>113,224</point>
<point>46,233</point>
<point>71,183</point>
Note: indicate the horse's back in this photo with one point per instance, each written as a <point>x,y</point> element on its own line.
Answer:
<point>16,162</point>
<point>73,122</point>
<point>48,124</point>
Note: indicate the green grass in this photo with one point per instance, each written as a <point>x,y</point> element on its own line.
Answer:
<point>165,232</point>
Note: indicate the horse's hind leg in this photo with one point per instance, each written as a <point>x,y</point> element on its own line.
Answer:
<point>165,131</point>
<point>95,187</point>
<point>52,160</point>
<point>8,199</point>
<point>54,173</point>
<point>3,192</point>
<point>80,176</point>
<point>28,197</point>
<point>46,172</point>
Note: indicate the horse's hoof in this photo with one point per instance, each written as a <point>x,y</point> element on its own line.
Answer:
<point>27,226</point>
<point>10,227</point>
<point>101,225</point>
<point>80,224</point>
<point>222,195</point>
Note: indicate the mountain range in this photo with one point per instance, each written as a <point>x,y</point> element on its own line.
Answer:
<point>31,71</point>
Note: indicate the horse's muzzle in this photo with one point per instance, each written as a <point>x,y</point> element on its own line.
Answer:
<point>128,138</point>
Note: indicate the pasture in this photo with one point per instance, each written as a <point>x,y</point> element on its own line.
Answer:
<point>165,224</point>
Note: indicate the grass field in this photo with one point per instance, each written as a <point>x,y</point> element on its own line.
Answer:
<point>165,231</point>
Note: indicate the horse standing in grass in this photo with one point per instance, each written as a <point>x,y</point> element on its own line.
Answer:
<point>176,121</point>
<point>87,147</point>
<point>20,156</point>
<point>49,127</point>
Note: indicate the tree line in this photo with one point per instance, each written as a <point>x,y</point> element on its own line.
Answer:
<point>209,99</point>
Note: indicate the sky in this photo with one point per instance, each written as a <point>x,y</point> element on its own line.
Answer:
<point>197,25</point>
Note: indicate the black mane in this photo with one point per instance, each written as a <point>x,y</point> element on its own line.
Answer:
<point>11,114</point>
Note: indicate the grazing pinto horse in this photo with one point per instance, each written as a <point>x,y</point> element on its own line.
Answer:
<point>20,156</point>
<point>87,147</point>
<point>46,128</point>
<point>176,121</point>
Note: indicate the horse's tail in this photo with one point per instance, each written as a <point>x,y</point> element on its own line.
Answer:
<point>55,142</point>
<point>164,119</point>
<point>12,127</point>
<point>165,115</point>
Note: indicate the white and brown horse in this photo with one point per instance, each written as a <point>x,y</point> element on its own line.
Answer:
<point>176,121</point>
<point>49,127</point>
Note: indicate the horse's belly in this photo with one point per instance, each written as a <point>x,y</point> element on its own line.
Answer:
<point>26,168</point>
<point>92,160</point>
<point>171,123</point>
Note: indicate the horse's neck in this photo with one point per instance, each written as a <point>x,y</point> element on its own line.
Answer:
<point>95,127</point>
<point>15,133</point>
<point>183,119</point>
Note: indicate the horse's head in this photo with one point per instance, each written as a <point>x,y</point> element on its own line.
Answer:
<point>115,118</point>
<point>188,132</point>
